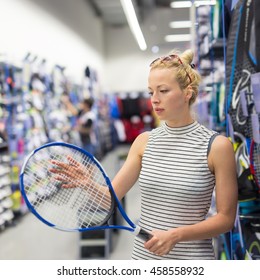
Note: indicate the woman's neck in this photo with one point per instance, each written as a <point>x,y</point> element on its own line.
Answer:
<point>179,122</point>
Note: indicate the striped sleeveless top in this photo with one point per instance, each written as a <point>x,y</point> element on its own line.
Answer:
<point>176,187</point>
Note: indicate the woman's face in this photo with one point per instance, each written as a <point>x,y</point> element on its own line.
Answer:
<point>169,101</point>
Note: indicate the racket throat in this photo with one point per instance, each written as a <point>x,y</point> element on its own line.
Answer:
<point>142,234</point>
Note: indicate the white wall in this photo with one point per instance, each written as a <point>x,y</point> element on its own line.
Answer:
<point>127,67</point>
<point>126,64</point>
<point>27,27</point>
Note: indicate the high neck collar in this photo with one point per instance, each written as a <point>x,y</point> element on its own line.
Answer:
<point>182,129</point>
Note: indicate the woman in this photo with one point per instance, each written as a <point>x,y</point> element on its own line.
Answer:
<point>178,165</point>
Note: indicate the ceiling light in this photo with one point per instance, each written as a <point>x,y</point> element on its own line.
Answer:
<point>205,2</point>
<point>188,4</point>
<point>181,4</point>
<point>180,24</point>
<point>178,38</point>
<point>133,23</point>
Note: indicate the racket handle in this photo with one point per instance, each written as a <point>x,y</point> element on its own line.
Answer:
<point>143,234</point>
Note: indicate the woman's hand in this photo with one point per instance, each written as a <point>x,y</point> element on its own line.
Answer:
<point>71,174</point>
<point>162,242</point>
<point>75,175</point>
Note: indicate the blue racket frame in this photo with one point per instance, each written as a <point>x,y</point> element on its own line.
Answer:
<point>115,204</point>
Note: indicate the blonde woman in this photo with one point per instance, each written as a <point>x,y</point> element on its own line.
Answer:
<point>178,165</point>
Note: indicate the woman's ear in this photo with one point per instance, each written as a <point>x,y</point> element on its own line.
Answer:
<point>189,93</point>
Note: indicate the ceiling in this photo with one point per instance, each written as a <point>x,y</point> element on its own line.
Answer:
<point>154,17</point>
<point>112,12</point>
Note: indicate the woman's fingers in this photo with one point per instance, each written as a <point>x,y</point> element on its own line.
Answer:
<point>70,168</point>
<point>160,244</point>
<point>72,174</point>
<point>68,186</point>
<point>156,246</point>
<point>59,164</point>
<point>72,161</point>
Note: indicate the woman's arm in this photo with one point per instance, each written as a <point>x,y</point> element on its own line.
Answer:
<point>129,173</point>
<point>69,106</point>
<point>222,163</point>
<point>73,174</point>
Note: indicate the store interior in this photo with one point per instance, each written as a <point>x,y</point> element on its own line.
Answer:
<point>51,49</point>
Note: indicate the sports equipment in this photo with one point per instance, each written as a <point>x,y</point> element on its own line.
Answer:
<point>66,188</point>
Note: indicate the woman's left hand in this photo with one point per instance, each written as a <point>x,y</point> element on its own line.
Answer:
<point>162,242</point>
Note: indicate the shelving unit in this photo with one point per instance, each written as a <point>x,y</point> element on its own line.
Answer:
<point>95,244</point>
<point>31,114</point>
<point>243,241</point>
<point>6,203</point>
<point>210,55</point>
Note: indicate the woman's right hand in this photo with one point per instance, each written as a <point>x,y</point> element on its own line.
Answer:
<point>75,175</point>
<point>71,174</point>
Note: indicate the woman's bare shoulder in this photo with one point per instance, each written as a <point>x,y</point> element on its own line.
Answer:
<point>222,143</point>
<point>140,142</point>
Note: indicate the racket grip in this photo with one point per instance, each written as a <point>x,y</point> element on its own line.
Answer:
<point>143,234</point>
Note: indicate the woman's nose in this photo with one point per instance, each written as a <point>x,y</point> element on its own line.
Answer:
<point>155,99</point>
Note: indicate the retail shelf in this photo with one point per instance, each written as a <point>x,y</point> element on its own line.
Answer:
<point>216,50</point>
<point>93,242</point>
<point>3,146</point>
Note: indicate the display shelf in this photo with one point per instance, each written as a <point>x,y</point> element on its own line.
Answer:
<point>95,244</point>
<point>210,61</point>
<point>3,146</point>
<point>6,203</point>
<point>215,50</point>
<point>243,241</point>
<point>34,114</point>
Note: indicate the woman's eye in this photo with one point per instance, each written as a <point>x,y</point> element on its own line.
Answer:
<point>164,90</point>
<point>150,93</point>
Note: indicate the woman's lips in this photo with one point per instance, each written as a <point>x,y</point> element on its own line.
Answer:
<point>158,110</point>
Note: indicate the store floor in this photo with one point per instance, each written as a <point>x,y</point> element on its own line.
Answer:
<point>31,239</point>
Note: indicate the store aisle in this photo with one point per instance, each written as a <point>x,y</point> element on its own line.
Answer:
<point>31,239</point>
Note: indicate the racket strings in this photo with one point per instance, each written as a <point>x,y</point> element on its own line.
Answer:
<point>98,202</point>
<point>84,204</point>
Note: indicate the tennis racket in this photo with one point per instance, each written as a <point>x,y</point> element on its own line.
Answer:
<point>66,188</point>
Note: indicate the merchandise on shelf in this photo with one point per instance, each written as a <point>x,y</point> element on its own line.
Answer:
<point>241,67</point>
<point>132,114</point>
<point>210,106</point>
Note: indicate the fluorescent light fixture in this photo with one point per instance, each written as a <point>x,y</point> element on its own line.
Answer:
<point>181,4</point>
<point>178,38</point>
<point>188,4</point>
<point>180,24</point>
<point>133,23</point>
<point>205,2</point>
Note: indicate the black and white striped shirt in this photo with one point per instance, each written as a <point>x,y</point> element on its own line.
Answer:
<point>176,187</point>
